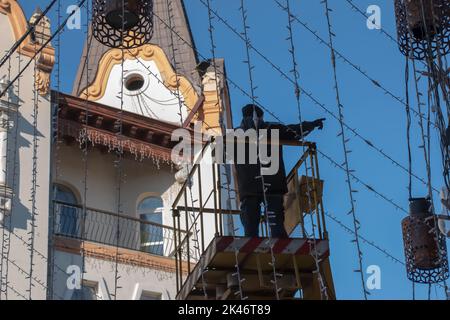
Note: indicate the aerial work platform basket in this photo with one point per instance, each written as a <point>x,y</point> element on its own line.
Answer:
<point>213,262</point>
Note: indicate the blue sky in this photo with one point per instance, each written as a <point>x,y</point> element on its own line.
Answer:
<point>368,109</point>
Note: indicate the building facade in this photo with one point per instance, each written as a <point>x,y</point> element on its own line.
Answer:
<point>95,206</point>
<point>98,222</point>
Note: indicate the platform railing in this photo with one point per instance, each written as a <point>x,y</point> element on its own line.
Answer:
<point>196,203</point>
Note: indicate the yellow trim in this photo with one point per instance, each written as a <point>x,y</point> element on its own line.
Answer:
<point>147,52</point>
<point>19,26</point>
<point>45,60</point>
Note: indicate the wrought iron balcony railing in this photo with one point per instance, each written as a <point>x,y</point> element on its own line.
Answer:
<point>103,227</point>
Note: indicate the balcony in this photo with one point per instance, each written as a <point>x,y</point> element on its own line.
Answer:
<point>113,230</point>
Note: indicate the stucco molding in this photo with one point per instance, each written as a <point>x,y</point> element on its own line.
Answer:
<point>110,253</point>
<point>46,58</point>
<point>148,52</point>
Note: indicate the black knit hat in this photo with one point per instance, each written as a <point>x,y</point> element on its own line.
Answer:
<point>247,111</point>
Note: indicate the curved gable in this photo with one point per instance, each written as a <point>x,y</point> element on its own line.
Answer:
<point>105,86</point>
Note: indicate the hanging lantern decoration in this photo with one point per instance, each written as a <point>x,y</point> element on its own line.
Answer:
<point>425,246</point>
<point>123,24</point>
<point>423,26</point>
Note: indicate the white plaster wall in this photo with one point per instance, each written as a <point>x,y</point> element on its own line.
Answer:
<point>154,100</point>
<point>133,280</point>
<point>140,178</point>
<point>20,226</point>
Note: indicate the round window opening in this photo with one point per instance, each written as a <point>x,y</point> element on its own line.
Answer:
<point>134,82</point>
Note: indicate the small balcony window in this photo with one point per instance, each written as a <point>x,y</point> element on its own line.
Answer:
<point>68,223</point>
<point>147,295</point>
<point>88,291</point>
<point>150,211</point>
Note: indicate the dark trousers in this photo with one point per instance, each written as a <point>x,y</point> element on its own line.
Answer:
<point>251,215</point>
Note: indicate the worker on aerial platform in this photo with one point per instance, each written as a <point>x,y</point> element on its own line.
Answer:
<point>249,175</point>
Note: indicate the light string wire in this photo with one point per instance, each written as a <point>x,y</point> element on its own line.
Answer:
<point>84,144</point>
<point>408,142</point>
<point>14,176</point>
<point>34,172</point>
<point>250,68</point>
<point>37,52</point>
<point>324,155</point>
<point>30,29</point>
<point>379,27</point>
<point>314,99</point>
<point>297,92</point>
<point>174,59</point>
<point>190,184</point>
<point>37,252</point>
<point>27,275</point>
<point>356,223</point>
<point>193,218</point>
<point>364,239</point>
<point>157,79</point>
<point>55,158</point>
<point>5,235</point>
<point>436,80</point>
<point>338,54</point>
<point>245,93</point>
<point>267,215</point>
<point>119,161</point>
<point>370,243</point>
<point>214,61</point>
<point>408,127</point>
<point>392,39</point>
<point>272,114</point>
<point>223,126</point>
<point>424,134</point>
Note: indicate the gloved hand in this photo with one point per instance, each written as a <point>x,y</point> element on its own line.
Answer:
<point>319,123</point>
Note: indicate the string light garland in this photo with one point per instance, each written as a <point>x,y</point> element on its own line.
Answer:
<point>119,154</point>
<point>266,214</point>
<point>356,223</point>
<point>5,246</point>
<point>85,136</point>
<point>297,93</point>
<point>55,150</point>
<point>39,50</point>
<point>309,95</point>
<point>30,29</point>
<point>272,114</point>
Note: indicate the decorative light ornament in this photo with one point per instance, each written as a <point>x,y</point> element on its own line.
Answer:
<point>425,247</point>
<point>133,30</point>
<point>423,26</point>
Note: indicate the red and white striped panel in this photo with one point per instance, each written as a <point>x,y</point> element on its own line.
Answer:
<point>280,246</point>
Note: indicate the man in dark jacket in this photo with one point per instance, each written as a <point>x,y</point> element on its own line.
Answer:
<point>249,175</point>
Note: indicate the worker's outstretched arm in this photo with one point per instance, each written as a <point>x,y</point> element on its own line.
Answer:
<point>294,131</point>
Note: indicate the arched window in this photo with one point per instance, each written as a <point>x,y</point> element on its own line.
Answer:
<point>67,212</point>
<point>150,211</point>
<point>65,195</point>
